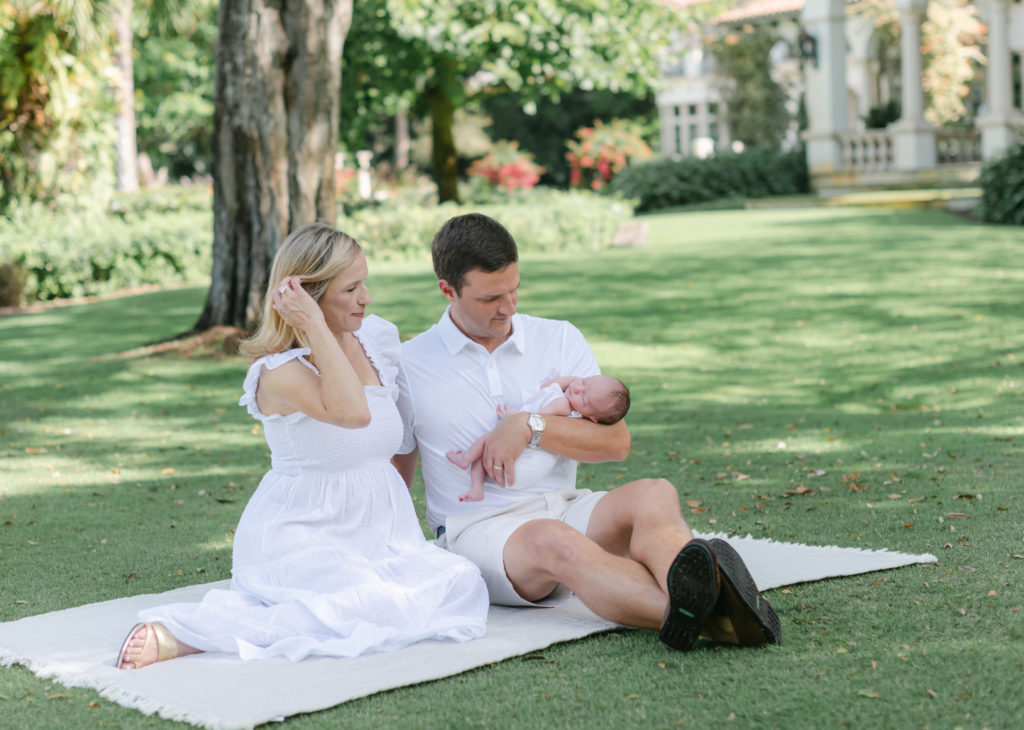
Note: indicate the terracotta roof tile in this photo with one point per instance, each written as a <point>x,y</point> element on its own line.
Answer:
<point>759,9</point>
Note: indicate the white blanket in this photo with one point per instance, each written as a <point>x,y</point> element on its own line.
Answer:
<point>77,647</point>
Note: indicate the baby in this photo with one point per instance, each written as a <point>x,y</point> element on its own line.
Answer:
<point>601,398</point>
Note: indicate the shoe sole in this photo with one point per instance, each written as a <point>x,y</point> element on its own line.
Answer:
<point>763,625</point>
<point>692,592</point>
<point>124,645</point>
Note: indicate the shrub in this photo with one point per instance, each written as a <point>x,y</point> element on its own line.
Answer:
<point>881,116</point>
<point>1002,188</point>
<point>542,219</point>
<point>755,173</point>
<point>162,237</point>
<point>507,168</point>
<point>550,122</point>
<point>602,151</point>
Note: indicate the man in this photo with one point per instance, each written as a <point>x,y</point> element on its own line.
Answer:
<point>628,554</point>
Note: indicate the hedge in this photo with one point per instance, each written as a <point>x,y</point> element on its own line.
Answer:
<point>1002,188</point>
<point>755,173</point>
<point>165,237</point>
<point>540,219</point>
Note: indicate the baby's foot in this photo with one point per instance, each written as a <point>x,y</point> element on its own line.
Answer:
<point>457,458</point>
<point>471,496</point>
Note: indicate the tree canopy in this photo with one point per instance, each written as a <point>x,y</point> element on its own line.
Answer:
<point>434,56</point>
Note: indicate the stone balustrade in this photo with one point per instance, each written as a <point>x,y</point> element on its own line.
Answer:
<point>872,150</point>
<point>954,148</point>
<point>868,151</point>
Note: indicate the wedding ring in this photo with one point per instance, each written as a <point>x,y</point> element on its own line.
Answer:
<point>497,468</point>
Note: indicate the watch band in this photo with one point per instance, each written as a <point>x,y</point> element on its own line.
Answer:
<point>536,424</point>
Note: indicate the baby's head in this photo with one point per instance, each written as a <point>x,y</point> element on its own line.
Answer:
<point>601,398</point>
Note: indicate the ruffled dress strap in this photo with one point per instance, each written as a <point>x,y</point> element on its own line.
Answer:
<point>381,344</point>
<point>252,381</point>
<point>379,339</point>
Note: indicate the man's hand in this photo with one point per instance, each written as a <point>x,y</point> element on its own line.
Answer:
<point>503,445</point>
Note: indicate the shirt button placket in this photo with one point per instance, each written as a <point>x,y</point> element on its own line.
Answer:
<point>493,378</point>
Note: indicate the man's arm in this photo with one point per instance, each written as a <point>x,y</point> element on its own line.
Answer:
<point>575,438</point>
<point>406,466</point>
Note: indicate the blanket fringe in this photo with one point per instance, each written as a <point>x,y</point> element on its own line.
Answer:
<point>116,694</point>
<point>925,557</point>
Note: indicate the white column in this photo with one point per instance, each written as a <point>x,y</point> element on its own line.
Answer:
<point>1002,121</point>
<point>825,81</point>
<point>665,130</point>
<point>913,137</point>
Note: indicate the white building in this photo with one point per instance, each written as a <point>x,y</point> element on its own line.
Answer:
<point>841,66</point>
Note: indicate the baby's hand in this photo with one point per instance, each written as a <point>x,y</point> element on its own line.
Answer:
<point>458,459</point>
<point>562,381</point>
<point>503,410</point>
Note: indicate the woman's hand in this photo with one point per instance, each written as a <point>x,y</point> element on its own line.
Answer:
<point>295,306</point>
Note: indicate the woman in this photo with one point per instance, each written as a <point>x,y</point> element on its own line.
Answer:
<point>329,558</point>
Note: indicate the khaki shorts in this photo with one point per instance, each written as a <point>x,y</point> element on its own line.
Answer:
<point>481,537</point>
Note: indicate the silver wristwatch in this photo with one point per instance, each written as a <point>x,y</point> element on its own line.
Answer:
<point>536,424</point>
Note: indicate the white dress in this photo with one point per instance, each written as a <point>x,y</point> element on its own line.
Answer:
<point>329,558</point>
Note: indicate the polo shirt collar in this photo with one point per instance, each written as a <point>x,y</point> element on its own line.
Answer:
<point>454,339</point>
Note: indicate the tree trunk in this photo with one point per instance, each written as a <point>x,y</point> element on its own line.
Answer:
<point>402,141</point>
<point>127,150</point>
<point>443,154</point>
<point>278,81</point>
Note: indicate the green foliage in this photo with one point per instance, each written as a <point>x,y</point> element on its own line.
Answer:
<point>379,74</point>
<point>754,173</point>
<point>601,151</point>
<point>1002,188</point>
<point>174,94</point>
<point>56,131</point>
<point>163,236</point>
<point>147,238</point>
<point>541,219</point>
<point>538,47</point>
<point>438,55</point>
<point>755,103</point>
<point>544,125</point>
<point>881,116</point>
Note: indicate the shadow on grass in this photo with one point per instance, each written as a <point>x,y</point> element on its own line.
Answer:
<point>822,376</point>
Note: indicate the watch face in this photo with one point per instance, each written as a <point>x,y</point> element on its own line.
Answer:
<point>535,422</point>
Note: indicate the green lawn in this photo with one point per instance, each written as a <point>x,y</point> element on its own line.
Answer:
<point>829,376</point>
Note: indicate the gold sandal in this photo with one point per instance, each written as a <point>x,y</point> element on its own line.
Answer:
<point>166,644</point>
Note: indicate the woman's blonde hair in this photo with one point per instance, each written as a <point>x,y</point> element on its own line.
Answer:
<point>316,253</point>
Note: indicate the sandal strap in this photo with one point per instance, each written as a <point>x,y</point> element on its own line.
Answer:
<point>166,644</point>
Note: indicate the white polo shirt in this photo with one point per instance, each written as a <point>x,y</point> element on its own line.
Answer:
<point>452,386</point>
